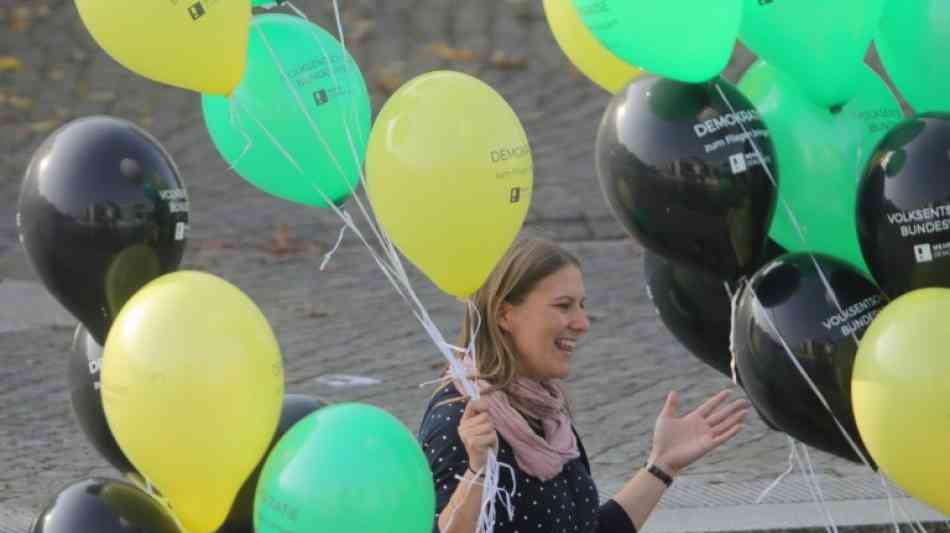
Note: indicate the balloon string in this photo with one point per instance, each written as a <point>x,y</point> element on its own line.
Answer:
<point>339,239</point>
<point>392,266</point>
<point>814,480</point>
<point>783,475</point>
<point>828,289</point>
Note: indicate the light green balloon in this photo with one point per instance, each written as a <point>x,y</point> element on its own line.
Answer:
<point>821,156</point>
<point>299,121</point>
<point>348,467</point>
<point>820,43</point>
<point>914,45</point>
<point>687,40</point>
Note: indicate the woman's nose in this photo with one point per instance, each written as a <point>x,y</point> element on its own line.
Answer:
<point>580,322</point>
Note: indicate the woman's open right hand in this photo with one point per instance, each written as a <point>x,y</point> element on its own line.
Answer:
<point>477,433</point>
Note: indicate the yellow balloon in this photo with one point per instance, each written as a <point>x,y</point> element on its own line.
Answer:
<point>584,50</point>
<point>195,44</point>
<point>192,387</point>
<point>449,175</point>
<point>900,392</point>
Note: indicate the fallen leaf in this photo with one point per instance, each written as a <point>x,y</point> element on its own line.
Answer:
<point>360,29</point>
<point>389,78</point>
<point>312,311</point>
<point>451,53</point>
<point>100,97</point>
<point>19,24</point>
<point>20,102</point>
<point>56,73</point>
<point>43,126</point>
<point>282,244</point>
<point>9,63</point>
<point>504,61</point>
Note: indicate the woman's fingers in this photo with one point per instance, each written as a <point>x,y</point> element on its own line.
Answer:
<point>711,404</point>
<point>720,439</point>
<point>727,411</point>
<point>729,423</point>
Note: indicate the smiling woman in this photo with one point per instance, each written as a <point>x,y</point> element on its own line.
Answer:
<point>527,319</point>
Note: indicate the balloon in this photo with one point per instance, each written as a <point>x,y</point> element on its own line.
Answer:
<point>297,124</point>
<point>197,44</point>
<point>99,505</point>
<point>689,40</point>
<point>903,206</point>
<point>820,44</point>
<point>85,362</point>
<point>241,518</point>
<point>102,211</point>
<point>820,151</point>
<point>786,304</point>
<point>901,393</point>
<point>680,174</point>
<point>696,307</point>
<point>584,51</point>
<point>449,175</point>
<point>913,42</point>
<point>192,383</point>
<point>267,4</point>
<point>347,467</point>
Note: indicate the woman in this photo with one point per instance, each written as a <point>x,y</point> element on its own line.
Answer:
<point>530,316</point>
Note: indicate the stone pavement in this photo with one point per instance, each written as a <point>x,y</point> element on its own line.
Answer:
<point>346,322</point>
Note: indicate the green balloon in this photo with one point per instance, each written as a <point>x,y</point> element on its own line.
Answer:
<point>688,40</point>
<point>820,43</point>
<point>299,120</point>
<point>264,3</point>
<point>821,156</point>
<point>348,467</point>
<point>914,45</point>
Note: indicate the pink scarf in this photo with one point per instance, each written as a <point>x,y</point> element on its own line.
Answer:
<point>540,457</point>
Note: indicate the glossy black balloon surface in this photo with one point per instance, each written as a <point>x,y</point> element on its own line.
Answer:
<point>903,206</point>
<point>695,306</point>
<point>102,211</point>
<point>682,177</point>
<point>788,296</point>
<point>85,363</point>
<point>104,506</point>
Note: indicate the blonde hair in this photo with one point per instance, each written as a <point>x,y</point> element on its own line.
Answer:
<point>528,261</point>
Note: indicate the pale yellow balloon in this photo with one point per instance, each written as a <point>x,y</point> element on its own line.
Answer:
<point>584,50</point>
<point>192,387</point>
<point>450,174</point>
<point>900,392</point>
<point>195,44</point>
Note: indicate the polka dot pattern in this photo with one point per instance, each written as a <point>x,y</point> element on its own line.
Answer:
<point>567,503</point>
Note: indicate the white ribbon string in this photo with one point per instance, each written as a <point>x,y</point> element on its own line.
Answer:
<point>828,289</point>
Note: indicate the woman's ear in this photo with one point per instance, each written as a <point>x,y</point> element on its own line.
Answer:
<point>504,317</point>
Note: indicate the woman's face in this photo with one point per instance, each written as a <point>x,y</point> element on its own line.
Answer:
<point>546,325</point>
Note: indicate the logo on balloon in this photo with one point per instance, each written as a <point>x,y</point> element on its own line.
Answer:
<point>320,97</point>
<point>515,195</point>
<point>923,253</point>
<point>737,162</point>
<point>196,11</point>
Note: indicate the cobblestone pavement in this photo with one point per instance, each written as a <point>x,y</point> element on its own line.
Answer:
<point>346,320</point>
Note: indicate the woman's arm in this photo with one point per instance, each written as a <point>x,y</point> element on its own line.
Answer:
<point>677,443</point>
<point>477,433</point>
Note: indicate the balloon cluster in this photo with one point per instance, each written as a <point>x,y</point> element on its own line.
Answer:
<point>176,376</point>
<point>797,225</point>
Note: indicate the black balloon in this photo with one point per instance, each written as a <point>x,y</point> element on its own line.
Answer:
<point>241,517</point>
<point>104,506</point>
<point>695,306</point>
<point>903,206</point>
<point>85,362</point>
<point>787,301</point>
<point>683,178</point>
<point>102,211</point>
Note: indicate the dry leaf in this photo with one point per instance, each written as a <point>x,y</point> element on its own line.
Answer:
<point>100,97</point>
<point>503,61</point>
<point>56,73</point>
<point>452,54</point>
<point>20,24</point>
<point>43,126</point>
<point>20,102</point>
<point>282,244</point>
<point>389,78</point>
<point>9,63</point>
<point>312,311</point>
<point>360,29</point>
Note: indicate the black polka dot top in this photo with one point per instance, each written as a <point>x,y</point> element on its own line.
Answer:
<point>567,503</point>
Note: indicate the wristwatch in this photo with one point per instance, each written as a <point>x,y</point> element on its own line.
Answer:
<point>659,474</point>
